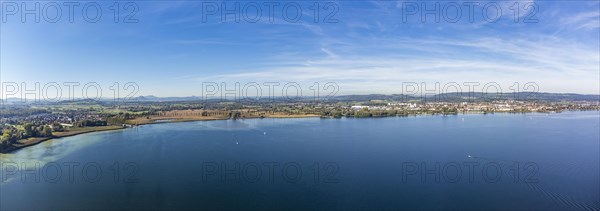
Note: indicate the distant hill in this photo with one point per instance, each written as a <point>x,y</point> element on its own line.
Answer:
<point>448,97</point>
<point>454,96</point>
<point>475,96</point>
<point>152,98</point>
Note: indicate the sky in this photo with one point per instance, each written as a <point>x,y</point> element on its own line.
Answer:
<point>172,48</point>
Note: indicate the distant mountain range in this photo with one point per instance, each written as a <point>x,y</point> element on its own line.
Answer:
<point>448,97</point>
<point>475,96</point>
<point>455,96</point>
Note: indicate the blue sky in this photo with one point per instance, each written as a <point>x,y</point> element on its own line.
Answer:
<point>170,51</point>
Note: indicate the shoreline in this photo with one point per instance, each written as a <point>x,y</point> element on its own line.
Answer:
<point>78,131</point>
<point>134,122</point>
<point>37,140</point>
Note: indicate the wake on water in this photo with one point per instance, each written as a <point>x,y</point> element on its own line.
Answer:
<point>568,170</point>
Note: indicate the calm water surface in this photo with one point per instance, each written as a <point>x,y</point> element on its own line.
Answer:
<point>490,162</point>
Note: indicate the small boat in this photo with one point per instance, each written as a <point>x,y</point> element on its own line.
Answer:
<point>265,133</point>
<point>469,156</point>
<point>237,142</point>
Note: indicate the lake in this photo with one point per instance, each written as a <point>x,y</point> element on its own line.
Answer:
<point>461,162</point>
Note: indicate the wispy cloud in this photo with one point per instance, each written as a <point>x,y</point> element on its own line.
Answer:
<point>371,49</point>
<point>586,20</point>
<point>550,61</point>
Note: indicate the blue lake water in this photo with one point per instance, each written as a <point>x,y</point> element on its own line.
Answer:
<point>462,162</point>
